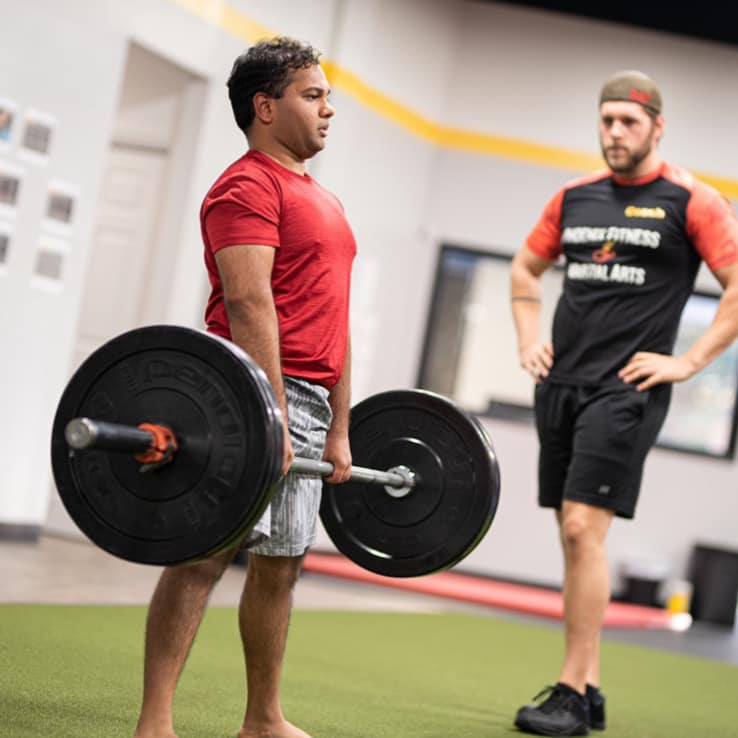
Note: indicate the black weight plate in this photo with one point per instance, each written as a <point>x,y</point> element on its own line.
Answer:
<point>447,513</point>
<point>227,423</point>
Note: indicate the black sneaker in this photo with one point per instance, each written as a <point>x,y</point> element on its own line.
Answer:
<point>596,707</point>
<point>563,712</point>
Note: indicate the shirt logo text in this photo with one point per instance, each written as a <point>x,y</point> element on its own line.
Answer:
<point>632,211</point>
<point>616,234</point>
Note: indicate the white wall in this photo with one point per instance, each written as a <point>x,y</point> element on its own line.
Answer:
<point>72,75</point>
<point>384,176</point>
<point>476,66</point>
<point>536,76</point>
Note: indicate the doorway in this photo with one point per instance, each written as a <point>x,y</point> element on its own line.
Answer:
<point>136,232</point>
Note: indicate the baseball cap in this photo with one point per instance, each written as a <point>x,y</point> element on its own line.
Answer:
<point>632,86</point>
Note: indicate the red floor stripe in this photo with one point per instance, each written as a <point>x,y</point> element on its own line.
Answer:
<point>481,591</point>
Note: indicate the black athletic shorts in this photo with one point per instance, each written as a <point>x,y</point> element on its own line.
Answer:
<point>594,442</point>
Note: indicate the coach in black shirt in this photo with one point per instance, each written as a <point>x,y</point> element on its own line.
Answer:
<point>632,237</point>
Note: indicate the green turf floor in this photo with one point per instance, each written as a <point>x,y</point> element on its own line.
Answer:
<point>74,672</point>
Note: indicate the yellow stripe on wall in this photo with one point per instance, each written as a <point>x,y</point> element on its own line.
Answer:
<point>455,138</point>
<point>729,187</point>
<point>223,16</point>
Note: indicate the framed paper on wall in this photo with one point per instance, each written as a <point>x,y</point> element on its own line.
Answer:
<point>61,205</point>
<point>6,235</point>
<point>37,133</point>
<point>8,114</point>
<point>11,177</point>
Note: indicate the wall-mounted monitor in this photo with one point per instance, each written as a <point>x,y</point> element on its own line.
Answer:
<point>470,353</point>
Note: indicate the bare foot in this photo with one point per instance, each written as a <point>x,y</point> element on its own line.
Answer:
<point>278,730</point>
<point>153,732</point>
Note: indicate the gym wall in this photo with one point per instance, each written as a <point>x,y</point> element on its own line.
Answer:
<point>411,79</point>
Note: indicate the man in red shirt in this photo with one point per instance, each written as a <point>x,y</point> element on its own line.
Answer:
<point>279,253</point>
<point>633,237</point>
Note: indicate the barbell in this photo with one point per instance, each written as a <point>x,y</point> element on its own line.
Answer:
<point>167,447</point>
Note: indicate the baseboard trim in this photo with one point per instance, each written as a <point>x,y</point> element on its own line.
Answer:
<point>19,532</point>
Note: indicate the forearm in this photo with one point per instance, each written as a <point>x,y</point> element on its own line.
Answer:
<point>255,329</point>
<point>339,397</point>
<point>722,332</point>
<point>526,305</point>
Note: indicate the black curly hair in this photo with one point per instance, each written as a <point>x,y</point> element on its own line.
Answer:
<point>266,67</point>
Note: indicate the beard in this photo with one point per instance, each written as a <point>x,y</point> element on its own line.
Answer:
<point>628,164</point>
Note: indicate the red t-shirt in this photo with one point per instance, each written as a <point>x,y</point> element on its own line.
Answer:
<point>258,201</point>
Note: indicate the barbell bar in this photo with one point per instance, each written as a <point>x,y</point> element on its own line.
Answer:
<point>85,433</point>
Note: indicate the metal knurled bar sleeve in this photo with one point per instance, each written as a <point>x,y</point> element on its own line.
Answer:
<point>83,433</point>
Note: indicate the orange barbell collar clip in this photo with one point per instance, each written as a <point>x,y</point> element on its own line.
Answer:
<point>163,446</point>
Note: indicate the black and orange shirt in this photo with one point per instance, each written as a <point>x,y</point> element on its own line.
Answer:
<point>632,248</point>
